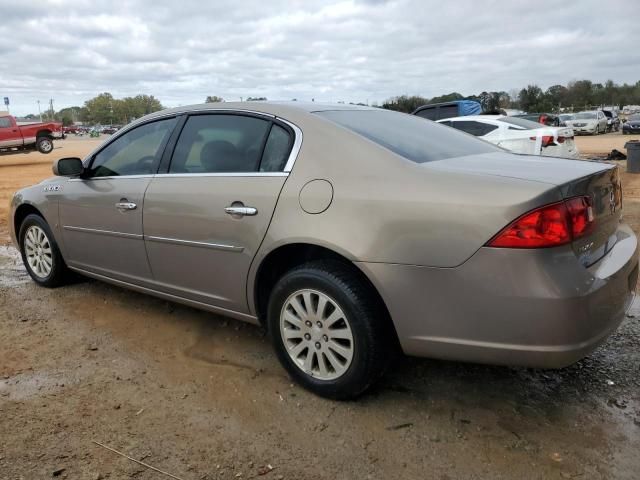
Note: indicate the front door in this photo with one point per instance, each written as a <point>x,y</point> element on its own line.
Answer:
<point>101,213</point>
<point>9,134</point>
<point>205,218</point>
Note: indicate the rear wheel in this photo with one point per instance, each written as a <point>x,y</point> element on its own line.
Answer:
<point>44,144</point>
<point>328,329</point>
<point>40,253</point>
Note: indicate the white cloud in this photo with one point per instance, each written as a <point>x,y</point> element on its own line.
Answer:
<point>345,50</point>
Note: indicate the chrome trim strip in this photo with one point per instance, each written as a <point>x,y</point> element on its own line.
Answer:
<point>108,233</point>
<point>189,243</point>
<point>225,174</point>
<point>297,145</point>
<point>75,179</point>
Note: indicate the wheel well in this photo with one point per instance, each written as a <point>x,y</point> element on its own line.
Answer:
<point>284,258</point>
<point>43,133</point>
<point>22,212</point>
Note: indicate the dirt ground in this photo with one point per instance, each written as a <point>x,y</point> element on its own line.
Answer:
<point>203,397</point>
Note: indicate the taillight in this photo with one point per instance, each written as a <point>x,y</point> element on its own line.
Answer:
<point>546,140</point>
<point>549,226</point>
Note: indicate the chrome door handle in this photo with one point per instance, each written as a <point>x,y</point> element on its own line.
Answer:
<point>126,206</point>
<point>241,211</point>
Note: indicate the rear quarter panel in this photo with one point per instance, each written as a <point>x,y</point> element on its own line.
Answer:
<point>388,209</point>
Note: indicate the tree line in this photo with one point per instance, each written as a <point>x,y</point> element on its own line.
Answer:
<point>575,96</point>
<point>104,110</point>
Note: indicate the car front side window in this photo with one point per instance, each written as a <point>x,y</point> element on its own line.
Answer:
<point>136,152</point>
<point>5,122</point>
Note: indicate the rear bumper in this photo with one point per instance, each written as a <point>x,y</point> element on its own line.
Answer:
<point>537,308</point>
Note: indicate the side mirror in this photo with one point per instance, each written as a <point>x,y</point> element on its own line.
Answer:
<point>68,167</point>
<point>624,120</point>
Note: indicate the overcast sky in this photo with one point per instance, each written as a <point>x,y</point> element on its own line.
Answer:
<point>330,51</point>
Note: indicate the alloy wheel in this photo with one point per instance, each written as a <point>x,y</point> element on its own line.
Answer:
<point>38,251</point>
<point>316,334</point>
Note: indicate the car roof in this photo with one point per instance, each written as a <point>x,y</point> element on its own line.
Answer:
<point>272,107</point>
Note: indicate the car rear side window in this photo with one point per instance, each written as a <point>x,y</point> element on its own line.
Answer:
<point>276,150</point>
<point>136,152</point>
<point>521,123</point>
<point>408,135</point>
<point>477,129</point>
<point>219,143</point>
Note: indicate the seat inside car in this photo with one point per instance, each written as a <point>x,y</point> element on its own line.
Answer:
<point>223,156</point>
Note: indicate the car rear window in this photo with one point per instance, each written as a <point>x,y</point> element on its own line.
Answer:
<point>523,123</point>
<point>409,136</point>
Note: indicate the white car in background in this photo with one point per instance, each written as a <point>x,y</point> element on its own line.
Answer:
<point>592,123</point>
<point>518,134</point>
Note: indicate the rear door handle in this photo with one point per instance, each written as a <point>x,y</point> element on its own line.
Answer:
<point>126,206</point>
<point>241,211</point>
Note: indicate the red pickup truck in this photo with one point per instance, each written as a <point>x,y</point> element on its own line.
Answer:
<point>38,136</point>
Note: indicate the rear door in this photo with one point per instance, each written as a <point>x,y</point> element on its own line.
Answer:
<point>101,213</point>
<point>206,216</point>
<point>10,135</point>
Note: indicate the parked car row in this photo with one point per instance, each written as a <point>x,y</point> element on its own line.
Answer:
<point>83,130</point>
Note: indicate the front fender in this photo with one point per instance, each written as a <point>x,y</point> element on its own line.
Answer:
<point>41,199</point>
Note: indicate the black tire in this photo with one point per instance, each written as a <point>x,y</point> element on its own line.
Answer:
<point>373,338</point>
<point>59,274</point>
<point>44,145</point>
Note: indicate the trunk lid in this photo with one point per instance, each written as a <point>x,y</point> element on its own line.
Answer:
<point>598,181</point>
<point>604,190</point>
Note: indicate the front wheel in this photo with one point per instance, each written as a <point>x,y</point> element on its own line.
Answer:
<point>328,329</point>
<point>40,253</point>
<point>44,144</point>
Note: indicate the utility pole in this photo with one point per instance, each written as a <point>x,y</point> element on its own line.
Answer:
<point>39,111</point>
<point>51,111</point>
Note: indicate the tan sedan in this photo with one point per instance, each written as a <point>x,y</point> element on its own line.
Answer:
<point>347,232</point>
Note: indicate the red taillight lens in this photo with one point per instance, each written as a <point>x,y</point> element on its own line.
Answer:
<point>580,216</point>
<point>546,140</point>
<point>549,226</point>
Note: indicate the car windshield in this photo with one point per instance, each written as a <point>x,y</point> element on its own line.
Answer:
<point>566,116</point>
<point>585,116</point>
<point>634,118</point>
<point>522,123</point>
<point>412,137</point>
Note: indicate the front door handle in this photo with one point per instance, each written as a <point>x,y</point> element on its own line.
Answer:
<point>241,211</point>
<point>122,206</point>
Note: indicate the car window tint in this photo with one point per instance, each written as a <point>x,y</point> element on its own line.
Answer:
<point>5,122</point>
<point>477,129</point>
<point>219,143</point>
<point>408,135</point>
<point>133,153</point>
<point>276,151</point>
<point>448,111</point>
<point>523,123</point>
<point>429,114</point>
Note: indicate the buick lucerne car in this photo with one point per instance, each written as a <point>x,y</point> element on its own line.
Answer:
<point>347,232</point>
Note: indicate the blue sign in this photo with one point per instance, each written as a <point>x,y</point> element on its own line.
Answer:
<point>6,101</point>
